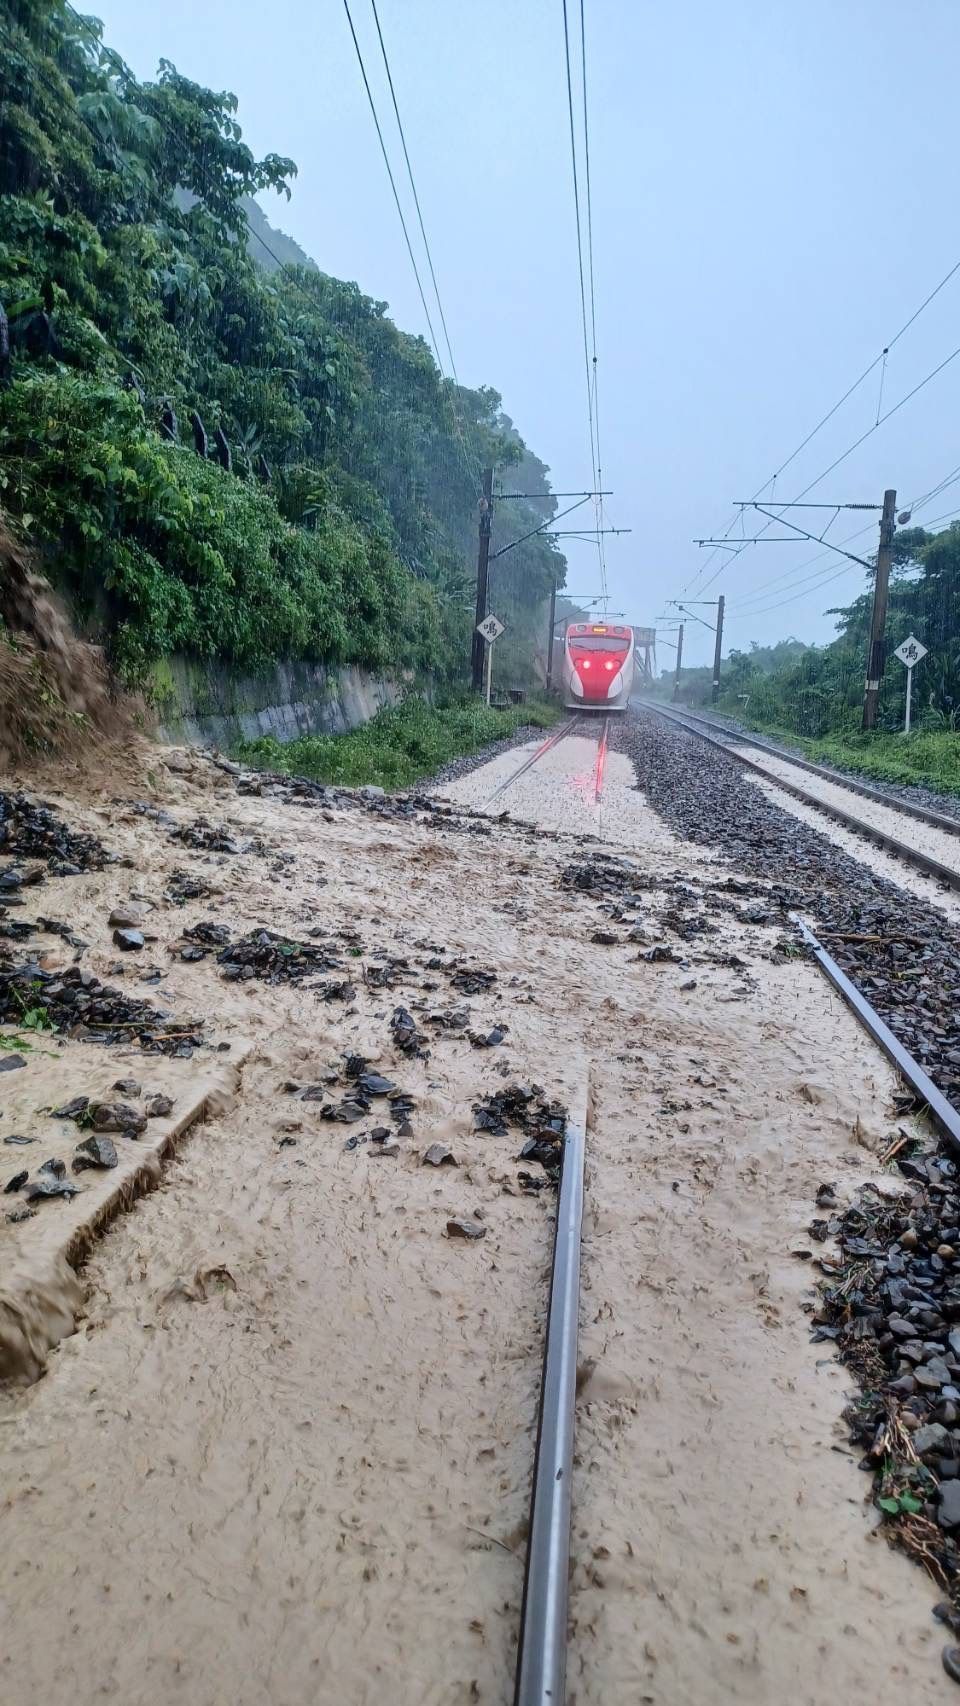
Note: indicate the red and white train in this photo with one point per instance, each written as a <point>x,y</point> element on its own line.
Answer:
<point>597,668</point>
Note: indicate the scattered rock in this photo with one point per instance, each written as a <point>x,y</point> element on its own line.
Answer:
<point>406,1036</point>
<point>383,1144</point>
<point>45,1184</point>
<point>94,1152</point>
<point>125,918</point>
<point>15,1183</point>
<point>127,1087</point>
<point>438,1155</point>
<point>471,1229</point>
<point>488,1039</point>
<point>130,941</point>
<point>11,1062</point>
<point>276,959</point>
<point>72,1110</point>
<point>158,1107</point>
<point>948,1513</point>
<point>374,1084</point>
<point>75,1001</point>
<point>19,1214</point>
<point>933,1438</point>
<point>118,1116</point>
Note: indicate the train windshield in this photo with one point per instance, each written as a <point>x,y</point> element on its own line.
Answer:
<point>599,643</point>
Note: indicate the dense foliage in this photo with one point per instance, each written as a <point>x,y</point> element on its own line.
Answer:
<point>814,691</point>
<point>218,455</point>
<point>396,746</point>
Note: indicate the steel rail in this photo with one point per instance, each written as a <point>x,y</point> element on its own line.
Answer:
<point>924,814</point>
<point>921,861</point>
<point>546,746</point>
<point>542,1652</point>
<point>601,760</point>
<point>944,1115</point>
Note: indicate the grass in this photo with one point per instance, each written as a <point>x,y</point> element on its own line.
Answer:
<point>926,758</point>
<point>397,746</point>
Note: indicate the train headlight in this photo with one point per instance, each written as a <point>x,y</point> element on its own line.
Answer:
<point>608,664</point>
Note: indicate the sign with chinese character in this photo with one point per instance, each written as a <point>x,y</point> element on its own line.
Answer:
<point>491,628</point>
<point>910,652</point>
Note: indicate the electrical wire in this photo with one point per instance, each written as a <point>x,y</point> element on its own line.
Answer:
<point>842,457</point>
<point>829,416</point>
<point>583,294</point>
<point>914,504</point>
<point>935,491</point>
<point>476,473</point>
<point>748,615</point>
<point>393,185</point>
<point>593,296</point>
<point>413,187</point>
<point>825,579</point>
<point>790,575</point>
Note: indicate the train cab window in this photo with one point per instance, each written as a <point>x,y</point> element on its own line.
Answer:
<point>599,643</point>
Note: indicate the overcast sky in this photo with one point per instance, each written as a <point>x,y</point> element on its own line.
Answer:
<point>770,188</point>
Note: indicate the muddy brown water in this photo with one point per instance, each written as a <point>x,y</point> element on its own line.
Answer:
<point>286,1455</point>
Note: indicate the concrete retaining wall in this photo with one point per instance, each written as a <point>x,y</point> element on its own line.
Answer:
<point>206,704</point>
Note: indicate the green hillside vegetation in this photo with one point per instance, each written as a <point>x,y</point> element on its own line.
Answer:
<point>398,745</point>
<point>217,456</point>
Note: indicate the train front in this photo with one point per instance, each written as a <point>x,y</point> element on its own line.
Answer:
<point>599,666</point>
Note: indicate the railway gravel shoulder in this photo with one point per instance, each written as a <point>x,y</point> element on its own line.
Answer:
<point>898,793</point>
<point>901,951</point>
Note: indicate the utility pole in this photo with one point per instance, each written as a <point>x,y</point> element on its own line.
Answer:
<point>876,657</point>
<point>483,557</point>
<point>676,673</point>
<point>550,634</point>
<point>716,651</point>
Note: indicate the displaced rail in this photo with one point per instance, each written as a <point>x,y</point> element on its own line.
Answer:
<point>542,1651</point>
<point>729,743</point>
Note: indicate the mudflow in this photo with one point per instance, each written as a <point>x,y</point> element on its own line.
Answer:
<point>274,1435</point>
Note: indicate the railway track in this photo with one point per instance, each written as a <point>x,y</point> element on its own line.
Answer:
<point>541,1652</point>
<point>889,837</point>
<point>573,725</point>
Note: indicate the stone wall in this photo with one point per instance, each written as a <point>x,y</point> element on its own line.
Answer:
<point>206,704</point>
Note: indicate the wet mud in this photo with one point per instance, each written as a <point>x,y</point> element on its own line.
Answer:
<point>286,1454</point>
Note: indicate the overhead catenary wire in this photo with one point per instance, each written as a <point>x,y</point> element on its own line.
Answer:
<point>593,292</point>
<point>475,470</point>
<point>848,393</point>
<point>842,457</point>
<point>790,575</point>
<point>393,185</point>
<point>740,615</point>
<point>413,188</point>
<point>588,370</point>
